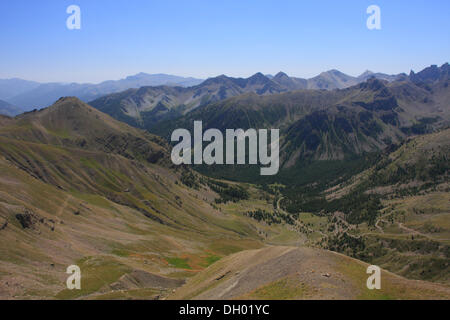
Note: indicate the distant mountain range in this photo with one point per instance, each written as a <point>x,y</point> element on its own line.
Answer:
<point>329,80</point>
<point>146,99</point>
<point>29,94</point>
<point>364,172</point>
<point>8,109</point>
<point>333,124</point>
<point>149,106</point>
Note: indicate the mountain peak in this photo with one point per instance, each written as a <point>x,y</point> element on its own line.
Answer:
<point>373,84</point>
<point>258,75</point>
<point>258,78</point>
<point>68,109</point>
<point>216,80</point>
<point>365,74</point>
<point>430,74</point>
<point>280,75</point>
<point>139,75</point>
<point>65,102</point>
<point>334,71</point>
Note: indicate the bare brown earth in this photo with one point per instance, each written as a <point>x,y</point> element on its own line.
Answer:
<point>299,273</point>
<point>77,187</point>
<point>118,248</point>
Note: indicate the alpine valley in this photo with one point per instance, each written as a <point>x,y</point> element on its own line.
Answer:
<point>363,180</point>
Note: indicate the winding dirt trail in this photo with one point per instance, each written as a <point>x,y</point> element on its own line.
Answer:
<point>378,227</point>
<point>297,273</point>
<point>415,232</point>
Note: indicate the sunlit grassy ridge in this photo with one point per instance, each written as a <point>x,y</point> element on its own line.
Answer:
<point>299,273</point>
<point>104,206</point>
<point>77,187</point>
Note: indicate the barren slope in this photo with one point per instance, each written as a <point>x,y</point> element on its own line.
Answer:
<point>299,273</point>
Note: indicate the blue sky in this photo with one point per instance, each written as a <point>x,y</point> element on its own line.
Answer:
<point>204,38</point>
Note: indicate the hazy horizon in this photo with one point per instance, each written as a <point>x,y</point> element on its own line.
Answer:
<point>241,76</point>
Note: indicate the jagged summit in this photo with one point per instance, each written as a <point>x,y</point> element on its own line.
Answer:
<point>365,74</point>
<point>431,74</point>
<point>280,75</point>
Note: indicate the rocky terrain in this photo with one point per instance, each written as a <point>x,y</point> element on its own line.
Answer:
<point>364,181</point>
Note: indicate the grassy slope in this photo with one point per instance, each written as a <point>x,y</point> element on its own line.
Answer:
<point>113,208</point>
<point>411,236</point>
<point>108,211</point>
<point>299,273</point>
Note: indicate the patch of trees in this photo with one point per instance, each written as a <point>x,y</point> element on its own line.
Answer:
<point>190,180</point>
<point>435,169</point>
<point>270,217</point>
<point>344,243</point>
<point>357,206</point>
<point>227,192</point>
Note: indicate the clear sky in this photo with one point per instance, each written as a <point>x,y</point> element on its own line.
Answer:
<point>204,38</point>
